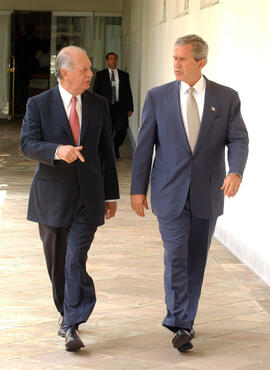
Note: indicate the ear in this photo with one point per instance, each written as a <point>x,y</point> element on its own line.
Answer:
<point>64,73</point>
<point>202,63</point>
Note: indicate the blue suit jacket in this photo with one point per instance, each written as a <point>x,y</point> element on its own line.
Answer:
<point>176,170</point>
<point>56,184</point>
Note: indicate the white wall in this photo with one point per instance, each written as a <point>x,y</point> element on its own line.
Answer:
<point>237,32</point>
<point>131,56</point>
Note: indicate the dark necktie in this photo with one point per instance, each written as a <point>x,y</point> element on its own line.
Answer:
<point>113,88</point>
<point>193,118</point>
<point>74,120</point>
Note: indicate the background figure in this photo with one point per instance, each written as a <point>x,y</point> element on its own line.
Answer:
<point>189,121</point>
<point>114,84</point>
<point>67,130</point>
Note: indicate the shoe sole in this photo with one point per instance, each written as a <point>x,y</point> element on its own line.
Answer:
<point>180,341</point>
<point>73,346</point>
<point>185,347</point>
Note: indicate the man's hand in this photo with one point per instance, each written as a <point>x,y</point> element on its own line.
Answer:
<point>231,184</point>
<point>110,209</point>
<point>138,203</point>
<point>70,153</point>
<point>130,113</point>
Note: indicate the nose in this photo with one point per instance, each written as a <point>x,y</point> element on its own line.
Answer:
<point>89,73</point>
<point>178,63</point>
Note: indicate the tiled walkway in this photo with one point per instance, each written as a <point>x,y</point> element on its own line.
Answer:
<point>126,263</point>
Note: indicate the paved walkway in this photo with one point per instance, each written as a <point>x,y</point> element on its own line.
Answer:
<point>126,263</point>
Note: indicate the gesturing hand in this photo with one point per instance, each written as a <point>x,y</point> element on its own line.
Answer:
<point>138,203</point>
<point>70,153</point>
<point>231,184</point>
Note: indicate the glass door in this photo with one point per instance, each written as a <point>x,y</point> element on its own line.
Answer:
<point>69,28</point>
<point>97,33</point>
<point>7,67</point>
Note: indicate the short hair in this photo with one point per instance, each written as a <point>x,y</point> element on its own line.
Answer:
<point>64,59</point>
<point>200,47</point>
<point>111,53</point>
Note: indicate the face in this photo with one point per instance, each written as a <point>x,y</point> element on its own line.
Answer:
<point>77,80</point>
<point>112,61</point>
<point>186,68</point>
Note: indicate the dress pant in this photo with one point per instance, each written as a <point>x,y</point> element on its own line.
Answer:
<point>119,124</point>
<point>54,241</point>
<point>66,255</point>
<point>186,241</point>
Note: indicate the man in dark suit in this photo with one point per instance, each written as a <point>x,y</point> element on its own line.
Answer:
<point>114,85</point>
<point>189,122</point>
<point>67,130</point>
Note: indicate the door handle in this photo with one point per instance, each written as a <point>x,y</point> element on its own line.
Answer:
<point>11,69</point>
<point>11,64</point>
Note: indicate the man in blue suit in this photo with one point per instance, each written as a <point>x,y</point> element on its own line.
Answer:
<point>67,131</point>
<point>189,122</point>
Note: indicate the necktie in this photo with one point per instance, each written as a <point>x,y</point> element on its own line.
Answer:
<point>74,120</point>
<point>113,88</point>
<point>193,118</point>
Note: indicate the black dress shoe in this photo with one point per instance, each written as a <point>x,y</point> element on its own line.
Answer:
<point>185,347</point>
<point>73,341</point>
<point>181,338</point>
<point>62,327</point>
<point>192,333</point>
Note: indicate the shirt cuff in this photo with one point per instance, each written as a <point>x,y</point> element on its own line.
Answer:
<point>56,156</point>
<point>111,200</point>
<point>235,173</point>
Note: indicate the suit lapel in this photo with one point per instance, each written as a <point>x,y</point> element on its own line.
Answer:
<point>181,126</point>
<point>87,112</point>
<point>210,110</point>
<point>59,112</point>
<point>107,76</point>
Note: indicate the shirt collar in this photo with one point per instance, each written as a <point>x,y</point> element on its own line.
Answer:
<point>110,70</point>
<point>199,86</point>
<point>66,96</point>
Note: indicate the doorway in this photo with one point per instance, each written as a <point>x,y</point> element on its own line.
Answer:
<point>30,41</point>
<point>31,34</point>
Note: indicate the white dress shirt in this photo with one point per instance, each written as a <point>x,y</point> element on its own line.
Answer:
<point>116,77</point>
<point>199,95</point>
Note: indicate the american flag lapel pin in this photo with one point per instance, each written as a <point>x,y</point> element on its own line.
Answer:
<point>213,108</point>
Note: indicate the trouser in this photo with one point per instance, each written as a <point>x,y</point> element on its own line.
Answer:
<point>119,125</point>
<point>186,241</point>
<point>66,255</point>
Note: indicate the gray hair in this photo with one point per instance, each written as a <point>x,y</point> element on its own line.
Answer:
<point>64,60</point>
<point>200,47</point>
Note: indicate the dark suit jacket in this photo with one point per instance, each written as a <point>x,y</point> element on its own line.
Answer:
<point>56,184</point>
<point>102,86</point>
<point>176,170</point>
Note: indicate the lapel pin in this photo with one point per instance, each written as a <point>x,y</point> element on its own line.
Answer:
<point>213,108</point>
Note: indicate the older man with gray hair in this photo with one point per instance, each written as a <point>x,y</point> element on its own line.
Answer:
<point>189,122</point>
<point>67,131</point>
